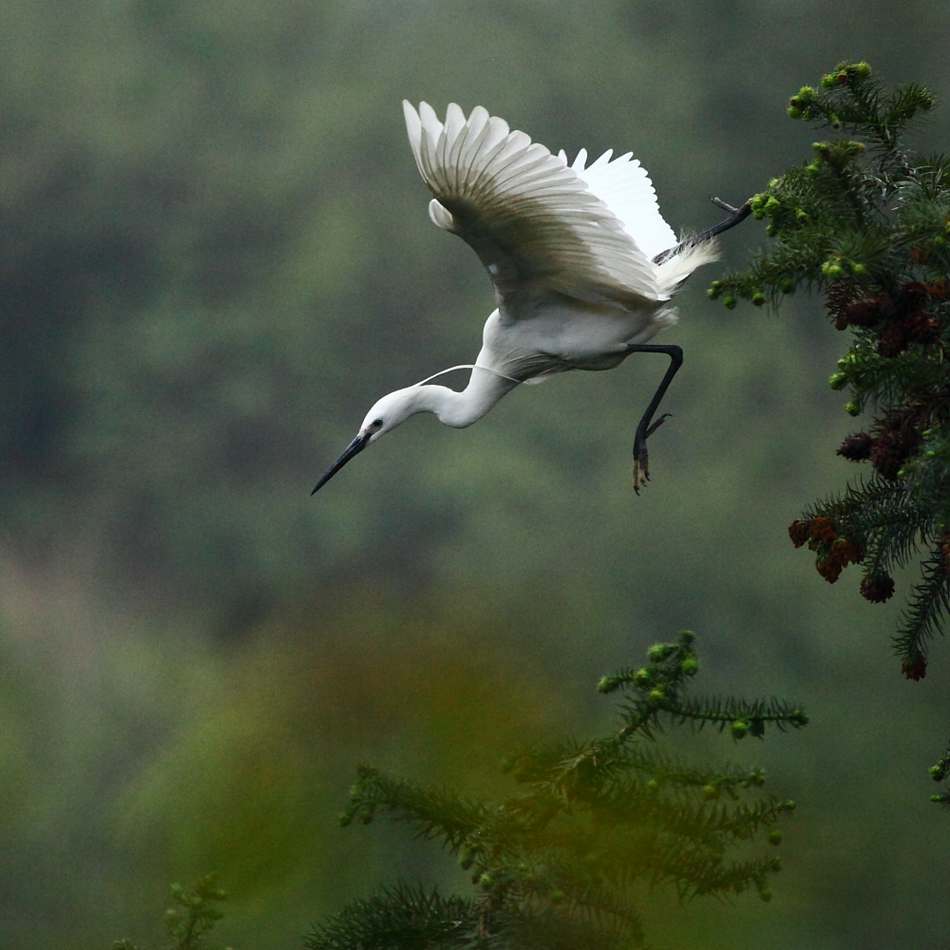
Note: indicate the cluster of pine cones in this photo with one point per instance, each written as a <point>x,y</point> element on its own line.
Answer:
<point>900,320</point>
<point>893,439</point>
<point>897,320</point>
<point>835,552</point>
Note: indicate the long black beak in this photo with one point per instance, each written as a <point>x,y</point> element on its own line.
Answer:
<point>353,449</point>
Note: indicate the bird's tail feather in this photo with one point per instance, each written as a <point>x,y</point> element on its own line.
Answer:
<point>674,270</point>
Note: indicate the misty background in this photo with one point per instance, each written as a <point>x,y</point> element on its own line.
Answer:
<point>214,256</point>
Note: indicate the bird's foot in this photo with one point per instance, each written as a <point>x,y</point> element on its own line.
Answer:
<point>641,469</point>
<point>641,457</point>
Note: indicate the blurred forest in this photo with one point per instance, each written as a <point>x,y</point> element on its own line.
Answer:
<point>214,256</point>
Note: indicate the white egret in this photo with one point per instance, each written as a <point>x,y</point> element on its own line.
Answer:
<point>583,265</point>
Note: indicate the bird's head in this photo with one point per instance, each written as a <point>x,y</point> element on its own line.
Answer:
<point>385,414</point>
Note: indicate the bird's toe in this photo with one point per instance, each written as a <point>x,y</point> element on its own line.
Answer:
<point>658,422</point>
<point>641,472</point>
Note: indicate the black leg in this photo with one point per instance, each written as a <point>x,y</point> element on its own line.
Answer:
<point>646,426</point>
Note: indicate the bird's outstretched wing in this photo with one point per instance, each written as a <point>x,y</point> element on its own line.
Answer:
<point>624,186</point>
<point>535,223</point>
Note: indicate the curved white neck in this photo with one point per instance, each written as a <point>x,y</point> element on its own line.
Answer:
<point>461,409</point>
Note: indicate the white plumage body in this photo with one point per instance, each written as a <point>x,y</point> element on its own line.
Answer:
<point>565,334</point>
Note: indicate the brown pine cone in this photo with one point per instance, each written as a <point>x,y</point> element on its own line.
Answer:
<point>799,532</point>
<point>839,296</point>
<point>846,551</point>
<point>922,327</point>
<point>822,529</point>
<point>856,447</point>
<point>896,440</point>
<point>887,454</point>
<point>913,296</point>
<point>914,668</point>
<point>893,340</point>
<point>877,588</point>
<point>829,567</point>
<point>862,313</point>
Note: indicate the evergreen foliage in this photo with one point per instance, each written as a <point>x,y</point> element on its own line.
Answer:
<point>939,771</point>
<point>867,222</point>
<point>563,862</point>
<point>192,916</point>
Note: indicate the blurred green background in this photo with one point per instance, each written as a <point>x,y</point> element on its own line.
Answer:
<point>215,256</point>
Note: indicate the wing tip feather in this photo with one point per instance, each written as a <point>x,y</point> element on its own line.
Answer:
<point>414,132</point>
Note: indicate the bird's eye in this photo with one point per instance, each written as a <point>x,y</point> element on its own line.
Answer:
<point>377,423</point>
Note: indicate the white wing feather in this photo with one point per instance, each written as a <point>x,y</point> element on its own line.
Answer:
<point>625,187</point>
<point>536,224</point>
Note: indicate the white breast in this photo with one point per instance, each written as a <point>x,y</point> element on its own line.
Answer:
<point>569,335</point>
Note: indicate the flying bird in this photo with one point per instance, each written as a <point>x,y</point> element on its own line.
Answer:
<point>583,264</point>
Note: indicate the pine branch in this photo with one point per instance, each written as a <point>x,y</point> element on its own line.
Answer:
<point>742,715</point>
<point>401,916</point>
<point>564,861</point>
<point>921,619</point>
<point>867,223</point>
<point>193,915</point>
<point>435,813</point>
